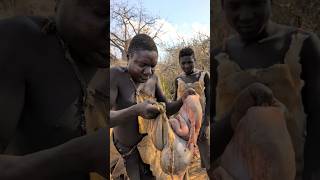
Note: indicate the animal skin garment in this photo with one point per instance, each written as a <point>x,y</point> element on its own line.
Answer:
<point>176,137</point>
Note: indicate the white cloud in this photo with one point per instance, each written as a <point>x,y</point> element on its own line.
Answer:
<point>173,34</point>
<point>202,28</point>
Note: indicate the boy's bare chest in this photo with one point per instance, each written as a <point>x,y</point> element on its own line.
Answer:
<point>127,92</point>
<point>259,55</point>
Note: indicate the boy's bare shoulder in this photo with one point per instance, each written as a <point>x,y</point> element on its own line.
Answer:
<point>117,74</point>
<point>117,70</point>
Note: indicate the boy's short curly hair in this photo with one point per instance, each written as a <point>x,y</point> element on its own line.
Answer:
<point>187,51</point>
<point>141,42</point>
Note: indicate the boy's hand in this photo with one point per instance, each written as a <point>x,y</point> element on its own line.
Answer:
<point>148,109</point>
<point>256,94</point>
<point>187,92</point>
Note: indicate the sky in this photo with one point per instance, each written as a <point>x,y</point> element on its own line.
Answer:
<point>180,11</point>
<point>180,18</point>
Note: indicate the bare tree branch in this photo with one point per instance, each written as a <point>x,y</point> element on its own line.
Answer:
<point>127,21</point>
<point>158,31</point>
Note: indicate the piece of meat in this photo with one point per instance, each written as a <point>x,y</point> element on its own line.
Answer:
<point>261,147</point>
<point>181,137</point>
<point>176,156</point>
<point>180,127</point>
<point>256,94</point>
<point>187,123</point>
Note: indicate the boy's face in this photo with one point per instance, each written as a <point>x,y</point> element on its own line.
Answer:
<point>83,24</point>
<point>187,64</point>
<point>142,64</point>
<point>247,17</point>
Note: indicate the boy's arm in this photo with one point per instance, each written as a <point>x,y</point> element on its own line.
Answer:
<point>80,155</point>
<point>207,91</point>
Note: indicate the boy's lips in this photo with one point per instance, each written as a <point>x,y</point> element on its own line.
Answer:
<point>144,78</point>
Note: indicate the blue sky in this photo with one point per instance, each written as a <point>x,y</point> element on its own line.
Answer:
<point>181,19</point>
<point>180,11</point>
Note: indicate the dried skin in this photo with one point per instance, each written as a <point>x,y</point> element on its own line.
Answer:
<point>181,137</point>
<point>187,124</point>
<point>261,148</point>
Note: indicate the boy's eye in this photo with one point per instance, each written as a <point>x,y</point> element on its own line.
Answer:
<point>188,62</point>
<point>141,64</point>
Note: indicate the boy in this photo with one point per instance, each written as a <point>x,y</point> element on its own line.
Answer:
<point>200,81</point>
<point>284,61</point>
<point>42,88</point>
